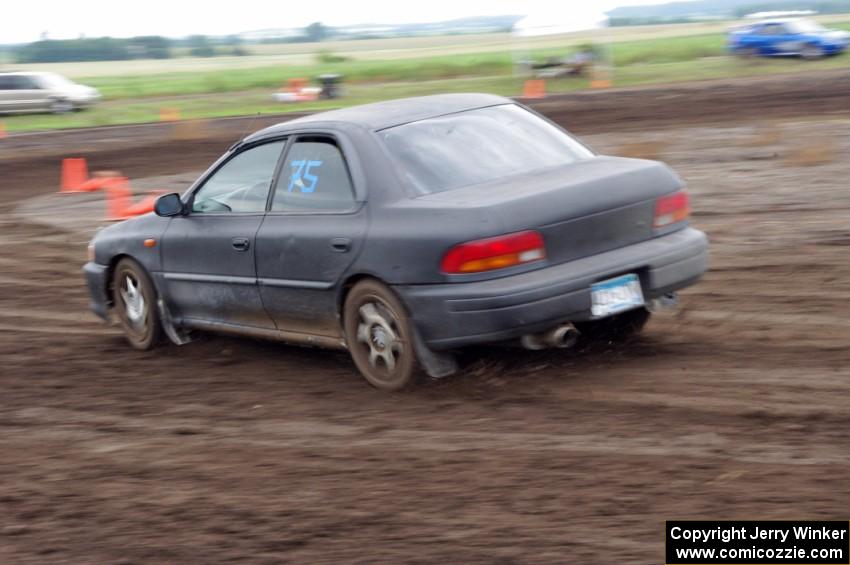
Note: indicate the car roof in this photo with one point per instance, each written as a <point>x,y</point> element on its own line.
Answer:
<point>380,115</point>
<point>25,73</point>
<point>778,20</point>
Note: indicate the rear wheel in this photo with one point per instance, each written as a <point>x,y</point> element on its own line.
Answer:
<point>380,336</point>
<point>134,297</point>
<point>615,328</point>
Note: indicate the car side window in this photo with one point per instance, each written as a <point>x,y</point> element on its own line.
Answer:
<point>314,176</point>
<point>242,183</point>
<point>14,82</point>
<point>24,83</point>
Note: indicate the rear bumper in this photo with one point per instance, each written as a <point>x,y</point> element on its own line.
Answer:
<point>458,314</point>
<point>96,279</point>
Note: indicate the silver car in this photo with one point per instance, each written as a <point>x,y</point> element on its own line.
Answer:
<point>39,92</point>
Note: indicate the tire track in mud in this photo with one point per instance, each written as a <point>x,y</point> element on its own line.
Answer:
<point>81,317</point>
<point>74,426</point>
<point>28,328</point>
<point>726,292</point>
<point>781,404</point>
<point>761,318</point>
<point>13,281</point>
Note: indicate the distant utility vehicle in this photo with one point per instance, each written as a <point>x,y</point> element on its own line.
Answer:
<point>43,92</point>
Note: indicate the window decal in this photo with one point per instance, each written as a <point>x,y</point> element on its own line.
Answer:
<point>300,173</point>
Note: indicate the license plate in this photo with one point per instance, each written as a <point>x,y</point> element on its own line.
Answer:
<point>615,295</point>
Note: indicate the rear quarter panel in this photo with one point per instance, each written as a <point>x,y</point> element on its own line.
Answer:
<point>584,208</point>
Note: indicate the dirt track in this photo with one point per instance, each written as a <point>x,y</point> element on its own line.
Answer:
<point>733,407</point>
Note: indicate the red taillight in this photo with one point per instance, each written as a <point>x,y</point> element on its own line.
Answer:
<point>671,209</point>
<point>494,253</point>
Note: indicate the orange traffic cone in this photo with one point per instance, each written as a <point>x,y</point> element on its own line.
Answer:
<point>534,88</point>
<point>101,179</point>
<point>169,114</point>
<point>2,130</point>
<point>600,78</point>
<point>75,173</point>
<point>143,206</point>
<point>118,198</point>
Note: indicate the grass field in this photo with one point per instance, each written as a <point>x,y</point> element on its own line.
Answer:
<point>265,55</point>
<point>135,91</point>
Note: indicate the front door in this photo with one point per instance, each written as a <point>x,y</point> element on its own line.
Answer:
<point>209,254</point>
<point>311,235</point>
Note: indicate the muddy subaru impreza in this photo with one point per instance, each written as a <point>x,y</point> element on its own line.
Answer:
<point>403,231</point>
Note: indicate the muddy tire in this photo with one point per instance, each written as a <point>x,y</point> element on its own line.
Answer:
<point>615,328</point>
<point>379,335</point>
<point>134,297</point>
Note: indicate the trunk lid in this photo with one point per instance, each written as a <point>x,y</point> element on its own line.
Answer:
<point>581,209</point>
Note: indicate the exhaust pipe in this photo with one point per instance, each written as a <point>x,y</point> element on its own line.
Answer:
<point>561,336</point>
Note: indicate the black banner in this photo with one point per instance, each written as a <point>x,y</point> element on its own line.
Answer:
<point>757,542</point>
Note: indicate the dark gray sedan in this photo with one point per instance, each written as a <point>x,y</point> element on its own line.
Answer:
<point>402,231</point>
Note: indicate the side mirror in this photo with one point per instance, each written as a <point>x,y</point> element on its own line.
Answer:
<point>168,205</point>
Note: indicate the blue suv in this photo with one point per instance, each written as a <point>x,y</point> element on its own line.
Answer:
<point>787,37</point>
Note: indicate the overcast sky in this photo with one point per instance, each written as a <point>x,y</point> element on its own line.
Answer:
<point>26,20</point>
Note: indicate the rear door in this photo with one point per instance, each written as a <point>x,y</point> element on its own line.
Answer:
<point>209,254</point>
<point>771,39</point>
<point>312,233</point>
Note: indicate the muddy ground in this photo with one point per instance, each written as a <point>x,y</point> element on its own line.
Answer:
<point>734,406</point>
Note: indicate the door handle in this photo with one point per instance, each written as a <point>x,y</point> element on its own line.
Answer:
<point>241,243</point>
<point>341,244</point>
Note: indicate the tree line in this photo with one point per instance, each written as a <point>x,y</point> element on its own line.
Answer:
<point>818,6</point>
<point>123,49</point>
<point>143,47</point>
<point>699,10</point>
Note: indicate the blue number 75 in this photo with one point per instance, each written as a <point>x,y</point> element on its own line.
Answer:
<point>301,170</point>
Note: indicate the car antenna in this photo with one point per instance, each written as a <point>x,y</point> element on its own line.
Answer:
<point>247,130</point>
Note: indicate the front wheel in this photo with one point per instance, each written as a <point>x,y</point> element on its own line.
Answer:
<point>134,297</point>
<point>60,106</point>
<point>379,335</point>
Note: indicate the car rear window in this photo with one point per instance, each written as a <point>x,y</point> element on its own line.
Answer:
<point>477,146</point>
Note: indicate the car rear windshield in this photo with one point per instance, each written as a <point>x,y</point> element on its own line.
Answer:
<point>477,146</point>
